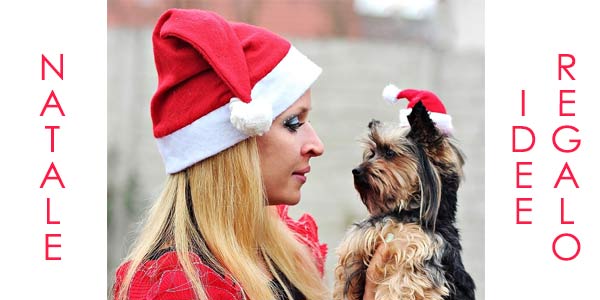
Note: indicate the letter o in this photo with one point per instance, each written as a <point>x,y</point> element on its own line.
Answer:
<point>566,258</point>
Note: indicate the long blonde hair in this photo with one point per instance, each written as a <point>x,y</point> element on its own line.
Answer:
<point>242,232</point>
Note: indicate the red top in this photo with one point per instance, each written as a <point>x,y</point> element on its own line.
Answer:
<point>164,278</point>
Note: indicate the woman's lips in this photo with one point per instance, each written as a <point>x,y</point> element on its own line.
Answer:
<point>300,177</point>
<point>301,174</point>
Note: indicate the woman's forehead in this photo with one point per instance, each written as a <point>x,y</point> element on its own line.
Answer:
<point>303,104</point>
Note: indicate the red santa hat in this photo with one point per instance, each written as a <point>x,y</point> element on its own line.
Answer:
<point>433,104</point>
<point>219,83</point>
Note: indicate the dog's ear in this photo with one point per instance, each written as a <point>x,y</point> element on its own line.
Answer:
<point>422,128</point>
<point>374,126</point>
<point>374,123</point>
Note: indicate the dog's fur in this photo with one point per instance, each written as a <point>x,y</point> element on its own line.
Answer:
<point>408,181</point>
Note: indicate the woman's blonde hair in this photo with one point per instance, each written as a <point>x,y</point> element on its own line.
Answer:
<point>218,209</point>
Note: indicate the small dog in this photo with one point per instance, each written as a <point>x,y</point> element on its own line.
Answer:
<point>408,181</point>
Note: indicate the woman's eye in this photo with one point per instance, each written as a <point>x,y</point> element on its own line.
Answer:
<point>293,123</point>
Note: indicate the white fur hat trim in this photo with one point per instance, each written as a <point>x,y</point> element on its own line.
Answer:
<point>252,118</point>
<point>390,93</point>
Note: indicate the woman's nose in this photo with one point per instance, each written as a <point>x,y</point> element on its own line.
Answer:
<point>313,145</point>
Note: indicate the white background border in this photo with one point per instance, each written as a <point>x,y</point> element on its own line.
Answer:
<point>523,40</point>
<point>77,29</point>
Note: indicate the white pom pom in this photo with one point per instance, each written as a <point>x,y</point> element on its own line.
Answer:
<point>390,92</point>
<point>252,118</point>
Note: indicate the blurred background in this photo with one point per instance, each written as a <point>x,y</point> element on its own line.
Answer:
<point>362,45</point>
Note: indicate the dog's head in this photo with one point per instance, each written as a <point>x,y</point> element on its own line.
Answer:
<point>408,168</point>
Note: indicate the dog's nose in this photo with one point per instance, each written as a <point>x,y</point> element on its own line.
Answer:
<point>357,171</point>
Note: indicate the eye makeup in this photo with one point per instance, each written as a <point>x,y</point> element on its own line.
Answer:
<point>293,123</point>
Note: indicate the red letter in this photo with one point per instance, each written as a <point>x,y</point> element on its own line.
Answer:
<point>562,213</point>
<point>565,67</point>
<point>514,135</point>
<point>563,101</point>
<point>577,141</point>
<point>52,136</point>
<point>556,240</point>
<point>561,177</point>
<point>52,168</point>
<point>522,103</point>
<point>520,209</point>
<point>48,236</point>
<point>52,95</point>
<point>48,213</point>
<point>46,61</point>
<point>519,163</point>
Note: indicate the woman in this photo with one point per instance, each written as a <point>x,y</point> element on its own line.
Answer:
<point>230,115</point>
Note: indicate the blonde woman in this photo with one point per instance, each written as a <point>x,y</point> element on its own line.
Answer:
<point>230,116</point>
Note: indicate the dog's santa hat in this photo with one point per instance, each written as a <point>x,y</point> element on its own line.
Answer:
<point>219,83</point>
<point>433,104</point>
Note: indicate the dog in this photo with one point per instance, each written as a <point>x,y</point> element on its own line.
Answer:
<point>408,181</point>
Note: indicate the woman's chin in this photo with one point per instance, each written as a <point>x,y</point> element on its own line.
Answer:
<point>286,201</point>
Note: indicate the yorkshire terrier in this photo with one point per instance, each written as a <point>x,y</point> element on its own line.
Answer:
<point>408,181</point>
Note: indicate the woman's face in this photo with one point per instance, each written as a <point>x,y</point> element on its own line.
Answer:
<point>285,151</point>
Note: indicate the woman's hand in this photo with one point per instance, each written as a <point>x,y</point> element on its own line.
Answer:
<point>371,270</point>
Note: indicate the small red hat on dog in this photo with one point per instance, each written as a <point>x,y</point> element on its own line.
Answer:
<point>433,104</point>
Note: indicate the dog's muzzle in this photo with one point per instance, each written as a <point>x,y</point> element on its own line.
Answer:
<point>358,172</point>
<point>360,177</point>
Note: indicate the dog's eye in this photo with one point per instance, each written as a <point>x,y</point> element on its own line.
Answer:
<point>389,153</point>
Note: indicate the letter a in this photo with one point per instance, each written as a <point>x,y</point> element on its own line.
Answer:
<point>57,105</point>
<point>52,168</point>
<point>562,176</point>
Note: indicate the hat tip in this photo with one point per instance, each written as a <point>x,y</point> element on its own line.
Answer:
<point>390,93</point>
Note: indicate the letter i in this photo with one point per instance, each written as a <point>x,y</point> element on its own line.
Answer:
<point>522,103</point>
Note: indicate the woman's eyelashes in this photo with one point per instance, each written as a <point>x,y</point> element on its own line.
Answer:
<point>293,123</point>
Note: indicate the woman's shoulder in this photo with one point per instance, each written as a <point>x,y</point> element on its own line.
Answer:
<point>162,277</point>
<point>306,231</point>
